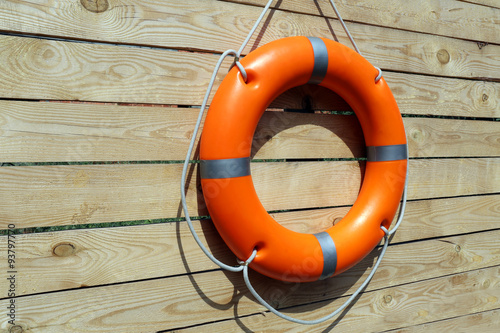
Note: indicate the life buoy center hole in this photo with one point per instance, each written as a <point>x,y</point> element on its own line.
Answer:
<point>316,147</point>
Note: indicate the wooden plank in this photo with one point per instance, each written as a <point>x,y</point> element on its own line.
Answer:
<point>420,94</point>
<point>489,3</point>
<point>437,17</point>
<point>78,71</point>
<point>44,69</point>
<point>168,303</point>
<point>416,303</point>
<point>67,259</point>
<point>422,219</point>
<point>87,194</point>
<point>487,322</point>
<point>452,138</point>
<point>211,25</point>
<point>53,132</point>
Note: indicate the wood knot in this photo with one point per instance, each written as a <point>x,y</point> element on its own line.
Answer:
<point>458,248</point>
<point>485,97</point>
<point>480,45</point>
<point>48,54</point>
<point>16,329</point>
<point>63,250</point>
<point>95,6</point>
<point>387,299</point>
<point>443,56</point>
<point>417,135</point>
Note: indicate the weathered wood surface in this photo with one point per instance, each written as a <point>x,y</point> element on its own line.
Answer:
<point>220,22</point>
<point>142,306</point>
<point>436,17</point>
<point>47,69</point>
<point>395,307</point>
<point>487,321</point>
<point>86,194</point>
<point>58,132</point>
<point>118,163</point>
<point>139,252</point>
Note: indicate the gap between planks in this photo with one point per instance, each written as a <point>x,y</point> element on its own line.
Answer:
<point>74,132</point>
<point>71,255</point>
<point>168,303</point>
<point>56,70</point>
<point>484,322</point>
<point>87,194</point>
<point>440,299</point>
<point>438,18</point>
<point>213,24</point>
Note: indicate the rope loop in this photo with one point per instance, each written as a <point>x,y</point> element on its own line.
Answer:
<point>249,260</point>
<point>384,229</point>
<point>237,63</point>
<point>379,76</point>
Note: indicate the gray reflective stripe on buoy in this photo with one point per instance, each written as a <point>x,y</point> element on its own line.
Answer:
<point>225,168</point>
<point>387,153</point>
<point>329,254</point>
<point>320,60</point>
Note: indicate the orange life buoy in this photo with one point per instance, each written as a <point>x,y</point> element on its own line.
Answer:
<point>225,151</point>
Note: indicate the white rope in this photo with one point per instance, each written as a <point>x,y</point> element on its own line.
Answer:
<point>325,318</point>
<point>236,54</point>
<point>377,78</point>
<point>186,164</point>
<point>345,27</point>
<point>243,266</point>
<point>356,293</point>
<point>245,42</point>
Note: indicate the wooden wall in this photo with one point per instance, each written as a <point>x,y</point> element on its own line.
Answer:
<point>98,100</point>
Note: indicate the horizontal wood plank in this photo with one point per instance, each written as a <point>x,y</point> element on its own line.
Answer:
<point>424,95</point>
<point>150,62</point>
<point>422,219</point>
<point>487,322</point>
<point>212,25</point>
<point>416,303</point>
<point>86,194</point>
<point>67,259</point>
<point>46,69</point>
<point>62,132</point>
<point>182,301</point>
<point>489,3</point>
<point>437,17</point>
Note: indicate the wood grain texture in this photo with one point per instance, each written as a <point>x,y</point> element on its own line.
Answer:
<point>61,132</point>
<point>423,219</point>
<point>430,137</point>
<point>67,259</point>
<point>487,322</point>
<point>181,301</point>
<point>212,25</point>
<point>416,303</point>
<point>440,17</point>
<point>489,3</point>
<point>425,95</point>
<point>41,69</point>
<point>44,69</point>
<point>440,58</point>
<point>47,69</point>
<point>86,194</point>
